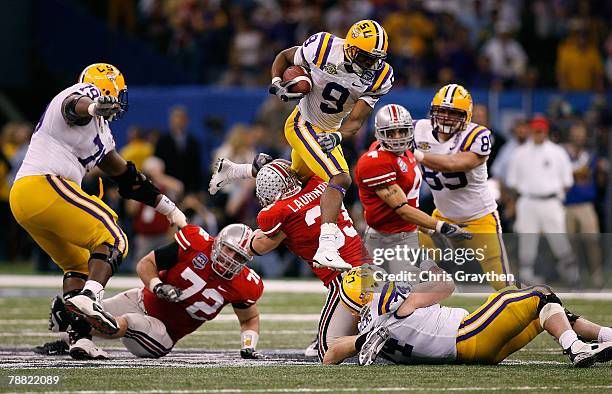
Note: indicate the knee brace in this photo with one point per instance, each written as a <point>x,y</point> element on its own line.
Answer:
<point>545,299</point>
<point>72,274</point>
<point>572,317</point>
<point>548,310</point>
<point>113,258</point>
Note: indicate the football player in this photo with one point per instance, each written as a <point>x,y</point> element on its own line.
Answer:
<point>290,216</point>
<point>408,326</point>
<point>389,180</point>
<point>453,154</point>
<point>187,283</point>
<point>349,76</point>
<point>79,231</point>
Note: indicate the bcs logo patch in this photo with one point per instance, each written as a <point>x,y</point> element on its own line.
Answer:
<point>402,164</point>
<point>423,145</point>
<point>199,261</point>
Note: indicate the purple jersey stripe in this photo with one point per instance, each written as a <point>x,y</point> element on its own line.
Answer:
<point>490,304</point>
<point>301,137</point>
<point>327,50</point>
<point>321,39</point>
<point>84,208</point>
<point>314,135</point>
<point>462,146</point>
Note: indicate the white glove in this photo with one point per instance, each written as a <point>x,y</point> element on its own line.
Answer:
<point>177,218</point>
<point>104,106</point>
<point>329,141</point>
<point>281,90</point>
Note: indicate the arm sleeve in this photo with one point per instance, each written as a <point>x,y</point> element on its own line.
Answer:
<point>374,172</point>
<point>478,141</point>
<point>69,110</point>
<point>167,256</point>
<point>270,221</point>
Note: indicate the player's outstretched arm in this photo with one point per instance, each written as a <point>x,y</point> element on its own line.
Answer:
<point>353,122</point>
<point>342,348</point>
<point>460,161</point>
<point>261,244</point>
<point>134,185</point>
<point>283,60</point>
<point>395,197</point>
<point>439,287</point>
<point>249,332</point>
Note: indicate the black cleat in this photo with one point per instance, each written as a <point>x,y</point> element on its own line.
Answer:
<point>55,348</point>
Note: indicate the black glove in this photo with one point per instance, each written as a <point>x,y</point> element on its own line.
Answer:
<point>104,106</point>
<point>261,160</point>
<point>455,231</point>
<point>281,90</point>
<point>167,292</point>
<point>252,354</point>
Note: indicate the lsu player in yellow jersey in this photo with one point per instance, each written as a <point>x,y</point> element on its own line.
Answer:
<point>407,325</point>
<point>79,231</point>
<point>349,76</point>
<point>453,153</point>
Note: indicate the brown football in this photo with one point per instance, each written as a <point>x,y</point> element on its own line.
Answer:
<point>298,73</point>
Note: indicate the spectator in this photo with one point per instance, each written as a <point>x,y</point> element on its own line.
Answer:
<point>246,54</point>
<point>150,227</point>
<point>137,149</point>
<point>506,55</point>
<point>180,151</point>
<point>579,64</point>
<point>541,173</point>
<point>580,200</point>
<point>520,135</point>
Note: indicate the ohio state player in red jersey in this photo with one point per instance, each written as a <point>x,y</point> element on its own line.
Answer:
<point>389,179</point>
<point>292,216</point>
<point>187,283</point>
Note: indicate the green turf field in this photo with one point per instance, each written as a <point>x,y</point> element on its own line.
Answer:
<point>193,368</point>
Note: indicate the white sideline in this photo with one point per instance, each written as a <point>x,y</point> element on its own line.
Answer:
<point>271,286</point>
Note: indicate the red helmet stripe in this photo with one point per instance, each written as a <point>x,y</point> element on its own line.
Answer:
<point>394,112</point>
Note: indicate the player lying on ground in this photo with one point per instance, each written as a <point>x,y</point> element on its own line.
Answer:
<point>186,283</point>
<point>79,231</point>
<point>408,325</point>
<point>453,153</point>
<point>349,76</point>
<point>389,180</point>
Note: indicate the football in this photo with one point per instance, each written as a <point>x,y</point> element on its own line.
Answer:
<point>299,74</point>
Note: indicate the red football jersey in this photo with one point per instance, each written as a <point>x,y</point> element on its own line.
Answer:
<point>204,292</point>
<point>378,167</point>
<point>299,217</point>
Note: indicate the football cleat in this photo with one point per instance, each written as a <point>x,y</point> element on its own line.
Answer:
<point>373,344</point>
<point>84,304</point>
<point>58,317</point>
<point>312,349</point>
<point>86,349</point>
<point>330,258</point>
<point>583,355</point>
<point>55,348</point>
<point>222,175</point>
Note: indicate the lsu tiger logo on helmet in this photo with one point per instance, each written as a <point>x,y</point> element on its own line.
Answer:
<point>357,288</point>
<point>110,81</point>
<point>365,48</point>
<point>451,109</point>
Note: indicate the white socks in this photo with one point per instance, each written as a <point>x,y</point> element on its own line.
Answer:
<point>567,338</point>
<point>605,335</point>
<point>242,171</point>
<point>95,288</point>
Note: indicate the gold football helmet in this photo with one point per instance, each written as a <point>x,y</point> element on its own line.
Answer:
<point>109,80</point>
<point>356,288</point>
<point>365,48</point>
<point>451,109</point>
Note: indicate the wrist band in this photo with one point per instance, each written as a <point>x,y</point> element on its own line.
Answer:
<point>154,282</point>
<point>418,155</point>
<point>91,109</point>
<point>439,225</point>
<point>165,206</point>
<point>251,247</point>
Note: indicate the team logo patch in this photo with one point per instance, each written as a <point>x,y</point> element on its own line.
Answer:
<point>199,261</point>
<point>330,69</point>
<point>355,32</point>
<point>402,164</point>
<point>423,145</point>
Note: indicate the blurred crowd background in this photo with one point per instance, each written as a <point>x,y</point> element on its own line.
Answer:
<point>521,47</point>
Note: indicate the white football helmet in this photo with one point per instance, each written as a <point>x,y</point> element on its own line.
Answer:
<point>230,250</point>
<point>276,181</point>
<point>394,129</point>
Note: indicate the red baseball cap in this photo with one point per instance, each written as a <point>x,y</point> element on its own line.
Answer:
<point>539,123</point>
